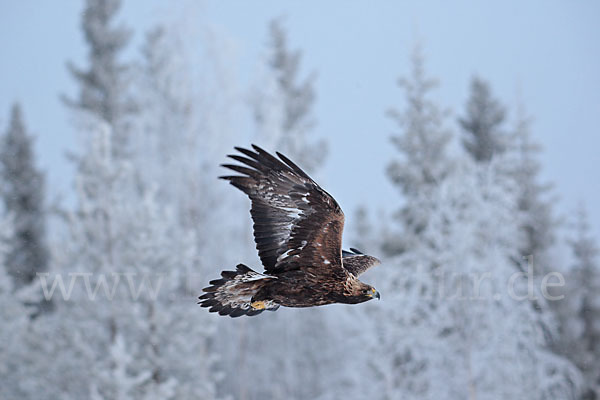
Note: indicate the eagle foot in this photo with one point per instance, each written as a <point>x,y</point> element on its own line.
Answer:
<point>258,305</point>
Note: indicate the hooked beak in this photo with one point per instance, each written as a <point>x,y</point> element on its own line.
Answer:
<point>375,294</point>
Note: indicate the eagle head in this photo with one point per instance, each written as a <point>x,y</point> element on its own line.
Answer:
<point>359,292</point>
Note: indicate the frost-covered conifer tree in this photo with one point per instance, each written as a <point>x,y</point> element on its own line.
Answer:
<point>132,303</point>
<point>579,311</point>
<point>538,221</point>
<point>455,329</point>
<point>182,134</point>
<point>482,123</point>
<point>422,143</point>
<point>181,131</point>
<point>15,325</point>
<point>23,197</point>
<point>449,323</point>
<point>104,83</point>
<point>166,143</point>
<point>15,321</point>
<point>283,105</point>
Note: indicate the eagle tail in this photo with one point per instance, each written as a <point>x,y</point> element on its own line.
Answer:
<point>232,294</point>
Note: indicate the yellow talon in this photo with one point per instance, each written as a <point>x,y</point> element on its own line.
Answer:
<point>258,305</point>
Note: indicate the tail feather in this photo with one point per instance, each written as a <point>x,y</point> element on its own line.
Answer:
<point>232,294</point>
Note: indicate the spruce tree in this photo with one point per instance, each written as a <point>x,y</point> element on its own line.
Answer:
<point>482,123</point>
<point>580,309</point>
<point>422,143</point>
<point>283,110</point>
<point>535,204</point>
<point>168,134</point>
<point>103,84</point>
<point>15,326</point>
<point>451,324</point>
<point>23,197</point>
<point>132,309</point>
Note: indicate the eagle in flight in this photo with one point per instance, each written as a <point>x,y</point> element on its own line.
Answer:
<point>298,233</point>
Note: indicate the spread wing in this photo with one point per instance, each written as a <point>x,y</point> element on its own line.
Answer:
<point>356,262</point>
<point>297,225</point>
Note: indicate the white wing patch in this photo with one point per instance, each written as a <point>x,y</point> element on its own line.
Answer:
<point>294,214</point>
<point>285,203</point>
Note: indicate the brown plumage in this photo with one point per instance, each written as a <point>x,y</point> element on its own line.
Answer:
<point>298,233</point>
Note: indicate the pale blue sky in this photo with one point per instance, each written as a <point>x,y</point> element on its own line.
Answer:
<point>549,51</point>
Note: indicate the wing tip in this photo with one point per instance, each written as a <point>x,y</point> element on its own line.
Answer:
<point>240,149</point>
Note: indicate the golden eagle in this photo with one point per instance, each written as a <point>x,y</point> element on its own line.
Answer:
<point>298,233</point>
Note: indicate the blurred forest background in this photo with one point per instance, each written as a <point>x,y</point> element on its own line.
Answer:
<point>482,295</point>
